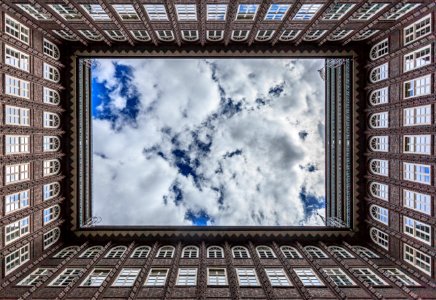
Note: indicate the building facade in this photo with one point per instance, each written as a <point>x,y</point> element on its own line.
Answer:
<point>385,247</point>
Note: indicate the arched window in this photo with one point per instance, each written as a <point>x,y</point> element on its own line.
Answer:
<point>290,252</point>
<point>264,35</point>
<point>116,252</point>
<point>379,167</point>
<point>379,190</point>
<point>239,35</point>
<point>380,96</point>
<point>51,120</point>
<point>51,190</point>
<point>51,143</point>
<point>190,35</point>
<point>140,35</point>
<point>66,35</point>
<point>240,252</point>
<point>91,252</point>
<point>215,35</point>
<point>379,120</point>
<point>360,36</point>
<point>379,73</point>
<point>315,252</point>
<point>51,49</point>
<point>116,35</point>
<point>51,73</point>
<point>66,252</point>
<point>289,35</point>
<point>379,213</point>
<point>141,252</point>
<point>341,252</point>
<point>215,252</point>
<point>165,252</point>
<point>165,35</point>
<point>380,238</point>
<point>52,213</point>
<point>190,252</point>
<point>339,34</point>
<point>265,252</point>
<point>51,237</point>
<point>379,143</point>
<point>362,251</point>
<point>313,35</point>
<point>51,167</point>
<point>51,96</point>
<point>379,49</point>
<point>91,35</point>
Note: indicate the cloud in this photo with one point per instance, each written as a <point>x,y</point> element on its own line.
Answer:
<point>212,141</point>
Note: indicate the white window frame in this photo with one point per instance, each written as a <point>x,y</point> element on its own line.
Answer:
<point>37,276</point>
<point>315,252</point>
<point>307,12</point>
<point>401,276</point>
<point>379,167</point>
<point>51,120</point>
<point>341,252</point>
<point>339,34</point>
<point>417,87</point>
<point>313,35</point>
<point>339,277</point>
<point>66,252</point>
<point>379,143</point>
<point>186,12</point>
<point>379,73</point>
<point>337,11</point>
<point>50,49</point>
<point>51,167</point>
<point>16,201</point>
<point>126,12</point>
<point>379,96</point>
<point>91,35</point>
<point>277,277</point>
<point>416,173</point>
<point>51,73</point>
<point>66,12</point>
<point>66,35</point>
<point>51,96</point>
<point>417,144</point>
<point>368,276</point>
<point>96,12</point>
<point>67,276</point>
<point>290,252</point>
<point>16,58</point>
<point>240,35</point>
<point>141,252</point>
<point>215,252</point>
<point>17,87</point>
<point>126,277</point>
<point>264,35</point>
<point>216,12</point>
<point>17,258</point>
<point>116,35</point>
<point>367,11</point>
<point>417,115</point>
<point>289,35</point>
<point>17,30</point>
<point>96,277</point>
<point>51,237</point>
<point>379,237</point>
<point>240,252</point>
<point>246,12</point>
<point>247,277</point>
<point>190,35</point>
<point>417,201</point>
<point>379,120</point>
<point>50,143</point>
<point>265,252</point>
<point>276,12</point>
<point>190,252</point>
<point>363,251</point>
<point>397,13</point>
<point>16,230</point>
<point>308,277</point>
<point>35,11</point>
<point>156,12</point>
<point>157,277</point>
<point>418,230</point>
<point>379,50</point>
<point>417,59</point>
<point>418,259</point>
<point>17,173</point>
<point>141,35</point>
<point>379,190</point>
<point>51,214</point>
<point>187,277</point>
<point>215,35</point>
<point>165,252</point>
<point>17,144</point>
<point>91,252</point>
<point>360,36</point>
<point>417,30</point>
<point>51,190</point>
<point>380,214</point>
<point>165,35</point>
<point>217,276</point>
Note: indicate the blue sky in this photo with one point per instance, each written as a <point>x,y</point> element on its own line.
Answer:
<point>226,142</point>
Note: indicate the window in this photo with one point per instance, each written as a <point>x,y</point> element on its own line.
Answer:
<point>15,144</point>
<point>66,277</point>
<point>216,12</point>
<point>16,201</point>
<point>417,201</point>
<point>51,49</point>
<point>91,252</point>
<point>51,167</point>
<point>277,12</point>
<point>126,12</point>
<point>66,12</point>
<point>417,59</point>
<point>362,251</point>
<point>186,12</point>
<point>16,58</point>
<point>141,252</point>
<point>315,252</point>
<point>240,35</point>
<point>341,252</point>
<point>379,143</point>
<point>52,213</point>
<point>190,252</point>
<point>363,35</point>
<point>379,73</point>
<point>265,252</point>
<point>51,120</point>
<point>216,276</point>
<point>417,87</point>
<point>367,11</point>
<point>51,96</point>
<point>379,120</point>
<point>16,173</point>
<point>66,35</point>
<point>290,252</point>
<point>380,238</point>
<point>339,277</point>
<point>399,12</point>
<point>165,35</point>
<point>127,277</point>
<point>308,277</point>
<point>417,30</point>
<point>17,87</point>
<point>277,277</point>
<point>289,35</point>
<point>190,35</point>
<point>399,275</point>
<point>313,35</point>
<point>379,190</point>
<point>156,12</point>
<point>187,276</point>
<point>264,35</point>
<point>116,252</point>
<point>35,11</point>
<point>379,50</point>
<point>96,12</point>
<point>165,252</point>
<point>379,213</point>
<point>96,277</point>
<point>368,276</point>
<point>51,143</point>
<point>417,173</point>
<point>157,277</point>
<point>36,277</point>
<point>247,11</point>
<point>215,35</point>
<point>417,259</point>
<point>91,35</point>
<point>51,73</point>
<point>116,35</point>
<point>247,277</point>
<point>417,229</point>
<point>215,252</point>
<point>51,237</point>
<point>339,34</point>
<point>51,190</point>
<point>307,12</point>
<point>337,11</point>
<point>67,252</point>
<point>140,35</point>
<point>16,230</point>
<point>240,252</point>
<point>17,258</point>
<point>380,96</point>
<point>379,167</point>
<point>17,30</point>
<point>418,144</point>
<point>418,115</point>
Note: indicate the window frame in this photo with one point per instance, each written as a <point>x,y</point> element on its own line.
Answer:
<point>382,191</point>
<point>340,276</point>
<point>240,251</point>
<point>265,252</point>
<point>22,62</point>
<point>100,275</point>
<point>380,237</point>
<point>415,141</point>
<point>216,14</point>
<point>17,87</point>
<point>379,143</point>
<point>67,252</point>
<point>126,277</point>
<point>379,73</point>
<point>165,248</point>
<point>217,281</point>
<point>413,32</point>
<point>18,201</point>
<point>67,276</point>
<point>379,50</point>
<point>417,87</point>
<point>16,230</point>
<point>187,276</point>
<point>190,251</point>
<point>411,228</point>
<point>290,254</point>
<point>16,144</point>
<point>417,262</point>
<point>36,276</point>
<point>138,253</point>
<point>277,277</point>
<point>157,277</point>
<point>400,275</point>
<point>416,113</point>
<point>245,277</point>
<point>247,14</point>
<point>425,198</point>
<point>411,59</point>
<point>308,277</point>
<point>379,96</point>
<point>315,252</point>
<point>23,173</point>
<point>275,11</point>
<point>369,276</point>
<point>51,237</point>
<point>20,32</point>
<point>379,214</point>
<point>415,174</point>
<point>215,251</point>
<point>19,258</point>
<point>307,11</point>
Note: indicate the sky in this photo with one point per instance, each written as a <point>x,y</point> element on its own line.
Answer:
<point>208,142</point>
